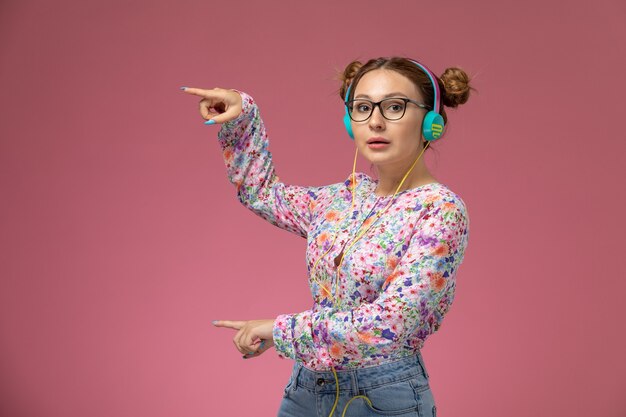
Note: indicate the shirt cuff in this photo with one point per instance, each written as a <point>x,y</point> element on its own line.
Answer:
<point>283,336</point>
<point>247,103</point>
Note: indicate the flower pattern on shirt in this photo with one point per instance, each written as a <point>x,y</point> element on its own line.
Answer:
<point>395,283</point>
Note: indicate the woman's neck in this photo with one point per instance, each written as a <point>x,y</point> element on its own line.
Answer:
<point>390,177</point>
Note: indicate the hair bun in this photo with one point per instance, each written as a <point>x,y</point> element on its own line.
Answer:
<point>347,76</point>
<point>456,85</point>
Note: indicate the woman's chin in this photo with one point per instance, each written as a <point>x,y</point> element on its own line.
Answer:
<point>377,157</point>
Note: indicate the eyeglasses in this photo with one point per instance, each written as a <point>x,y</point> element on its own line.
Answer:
<point>391,108</point>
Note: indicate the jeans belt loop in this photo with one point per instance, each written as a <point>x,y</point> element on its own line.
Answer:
<point>421,361</point>
<point>296,376</point>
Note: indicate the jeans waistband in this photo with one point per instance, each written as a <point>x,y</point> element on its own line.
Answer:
<point>360,378</point>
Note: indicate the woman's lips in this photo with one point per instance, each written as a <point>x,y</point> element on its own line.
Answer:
<point>377,143</point>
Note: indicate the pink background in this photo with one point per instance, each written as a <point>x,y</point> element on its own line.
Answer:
<point>121,238</point>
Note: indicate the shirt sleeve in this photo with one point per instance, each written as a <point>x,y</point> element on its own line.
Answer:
<point>411,305</point>
<point>249,167</point>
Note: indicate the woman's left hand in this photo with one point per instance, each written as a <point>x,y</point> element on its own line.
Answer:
<point>253,337</point>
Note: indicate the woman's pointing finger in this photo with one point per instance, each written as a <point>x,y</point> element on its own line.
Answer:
<point>201,92</point>
<point>229,324</point>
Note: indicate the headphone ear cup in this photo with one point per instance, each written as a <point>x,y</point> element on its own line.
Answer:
<point>433,126</point>
<point>348,124</point>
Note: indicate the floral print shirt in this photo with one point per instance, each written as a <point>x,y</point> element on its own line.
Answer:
<point>395,283</point>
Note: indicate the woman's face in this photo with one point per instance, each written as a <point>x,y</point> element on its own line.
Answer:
<point>402,137</point>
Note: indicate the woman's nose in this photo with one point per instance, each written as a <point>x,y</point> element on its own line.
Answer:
<point>376,121</point>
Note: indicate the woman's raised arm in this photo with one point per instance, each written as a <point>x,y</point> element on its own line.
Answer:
<point>249,165</point>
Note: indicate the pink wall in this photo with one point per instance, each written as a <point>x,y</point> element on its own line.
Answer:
<point>121,238</point>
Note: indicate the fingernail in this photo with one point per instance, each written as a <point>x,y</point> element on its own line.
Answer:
<point>210,122</point>
<point>182,88</point>
<point>262,344</point>
<point>214,322</point>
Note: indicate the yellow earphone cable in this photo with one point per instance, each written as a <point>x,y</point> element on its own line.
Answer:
<point>378,215</point>
<point>356,153</point>
<point>359,236</point>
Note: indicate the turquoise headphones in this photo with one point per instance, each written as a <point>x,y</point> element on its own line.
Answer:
<point>433,125</point>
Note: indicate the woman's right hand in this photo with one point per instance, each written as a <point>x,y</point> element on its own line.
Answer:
<point>218,105</point>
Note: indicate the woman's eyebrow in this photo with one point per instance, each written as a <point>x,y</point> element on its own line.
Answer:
<point>396,94</point>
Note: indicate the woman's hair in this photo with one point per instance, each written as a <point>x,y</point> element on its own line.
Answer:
<point>453,84</point>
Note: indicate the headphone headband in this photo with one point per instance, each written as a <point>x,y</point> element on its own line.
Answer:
<point>433,82</point>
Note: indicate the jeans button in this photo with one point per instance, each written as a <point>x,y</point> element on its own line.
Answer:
<point>320,381</point>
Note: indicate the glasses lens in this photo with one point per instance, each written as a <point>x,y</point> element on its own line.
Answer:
<point>392,108</point>
<point>360,110</point>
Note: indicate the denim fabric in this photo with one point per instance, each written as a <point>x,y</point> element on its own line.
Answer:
<point>399,388</point>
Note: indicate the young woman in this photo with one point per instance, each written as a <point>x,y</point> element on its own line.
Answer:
<point>382,254</point>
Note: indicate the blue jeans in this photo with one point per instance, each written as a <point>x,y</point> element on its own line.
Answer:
<point>398,388</point>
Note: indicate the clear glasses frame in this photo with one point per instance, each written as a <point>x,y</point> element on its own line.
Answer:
<point>384,110</point>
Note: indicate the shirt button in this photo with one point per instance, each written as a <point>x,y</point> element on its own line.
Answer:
<point>320,381</point>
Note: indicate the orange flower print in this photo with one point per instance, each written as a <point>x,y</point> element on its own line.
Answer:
<point>442,249</point>
<point>448,206</point>
<point>228,155</point>
<point>325,290</point>
<point>432,199</point>
<point>437,281</point>
<point>365,337</point>
<point>336,350</point>
<point>332,216</point>
<point>392,261</point>
<point>323,237</point>
<point>367,222</point>
<point>390,279</point>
